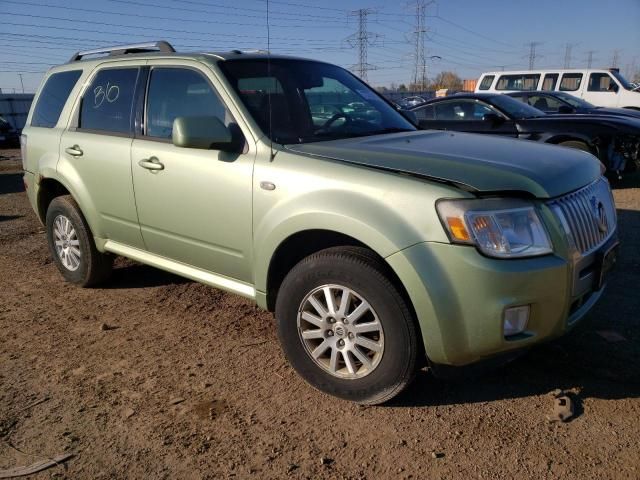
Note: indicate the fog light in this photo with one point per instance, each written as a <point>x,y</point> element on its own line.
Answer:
<point>515,320</point>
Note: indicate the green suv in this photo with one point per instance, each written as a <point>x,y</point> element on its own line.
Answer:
<point>380,248</point>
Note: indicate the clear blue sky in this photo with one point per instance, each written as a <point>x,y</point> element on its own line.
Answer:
<point>470,36</point>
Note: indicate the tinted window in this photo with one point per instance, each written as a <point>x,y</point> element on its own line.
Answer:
<point>467,110</point>
<point>486,82</point>
<point>53,97</point>
<point>518,82</point>
<point>549,82</point>
<point>107,103</point>
<point>544,103</point>
<point>601,82</point>
<point>571,82</point>
<point>179,92</point>
<point>425,113</point>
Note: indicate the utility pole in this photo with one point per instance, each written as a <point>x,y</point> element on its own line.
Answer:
<point>590,58</point>
<point>532,54</point>
<point>615,59</point>
<point>419,34</point>
<point>21,82</point>
<point>567,54</point>
<point>361,41</point>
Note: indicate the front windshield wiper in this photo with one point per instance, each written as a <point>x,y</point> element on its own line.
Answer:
<point>387,130</point>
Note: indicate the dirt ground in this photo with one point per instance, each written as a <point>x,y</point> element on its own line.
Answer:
<point>154,376</point>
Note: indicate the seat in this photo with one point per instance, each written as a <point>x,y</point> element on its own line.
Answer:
<point>541,104</point>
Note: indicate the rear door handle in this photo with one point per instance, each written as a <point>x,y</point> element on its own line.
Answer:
<point>74,151</point>
<point>151,164</point>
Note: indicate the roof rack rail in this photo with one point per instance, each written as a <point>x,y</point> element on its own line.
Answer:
<point>159,46</point>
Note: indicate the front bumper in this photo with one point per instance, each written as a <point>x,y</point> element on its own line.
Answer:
<point>460,296</point>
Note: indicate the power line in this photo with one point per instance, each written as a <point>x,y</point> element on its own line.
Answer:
<point>361,41</point>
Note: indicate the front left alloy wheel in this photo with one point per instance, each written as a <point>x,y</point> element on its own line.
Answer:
<point>346,328</point>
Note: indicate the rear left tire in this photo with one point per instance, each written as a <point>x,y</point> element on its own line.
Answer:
<point>71,244</point>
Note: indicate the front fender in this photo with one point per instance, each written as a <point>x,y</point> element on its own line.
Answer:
<point>372,223</point>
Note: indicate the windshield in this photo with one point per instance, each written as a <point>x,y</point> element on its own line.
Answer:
<point>623,81</point>
<point>515,108</point>
<point>575,102</point>
<point>310,101</point>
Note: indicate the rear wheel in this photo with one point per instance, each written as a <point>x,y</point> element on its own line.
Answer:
<point>71,244</point>
<point>345,328</point>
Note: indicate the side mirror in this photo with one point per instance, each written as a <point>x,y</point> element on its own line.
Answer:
<point>566,109</point>
<point>409,115</point>
<point>201,132</point>
<point>492,118</point>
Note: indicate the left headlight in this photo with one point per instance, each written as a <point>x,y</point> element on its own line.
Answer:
<point>499,228</point>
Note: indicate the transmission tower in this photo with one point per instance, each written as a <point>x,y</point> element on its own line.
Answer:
<point>418,39</point>
<point>567,54</point>
<point>590,58</point>
<point>361,40</point>
<point>615,59</point>
<point>532,54</point>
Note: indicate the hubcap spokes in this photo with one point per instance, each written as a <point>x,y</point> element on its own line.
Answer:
<point>66,243</point>
<point>340,331</point>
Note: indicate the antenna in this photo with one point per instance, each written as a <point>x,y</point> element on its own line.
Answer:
<point>271,154</point>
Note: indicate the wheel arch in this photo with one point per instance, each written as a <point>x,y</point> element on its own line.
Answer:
<point>301,244</point>
<point>50,187</point>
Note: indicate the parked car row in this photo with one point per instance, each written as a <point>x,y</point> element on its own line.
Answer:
<point>613,138</point>
<point>606,88</point>
<point>9,137</point>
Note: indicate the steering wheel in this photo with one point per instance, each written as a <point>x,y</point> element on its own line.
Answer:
<point>331,121</point>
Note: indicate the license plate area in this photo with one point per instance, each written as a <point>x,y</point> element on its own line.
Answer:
<point>606,260</point>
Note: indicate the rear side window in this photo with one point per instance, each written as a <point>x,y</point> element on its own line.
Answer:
<point>549,82</point>
<point>486,82</point>
<point>570,82</point>
<point>53,97</point>
<point>518,82</point>
<point>180,92</point>
<point>107,103</point>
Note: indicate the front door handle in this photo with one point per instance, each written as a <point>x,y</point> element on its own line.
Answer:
<point>151,164</point>
<point>74,151</point>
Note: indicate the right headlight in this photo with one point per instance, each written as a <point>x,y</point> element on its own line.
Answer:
<point>499,228</point>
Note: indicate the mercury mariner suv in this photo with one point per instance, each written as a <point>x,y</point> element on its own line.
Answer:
<point>379,247</point>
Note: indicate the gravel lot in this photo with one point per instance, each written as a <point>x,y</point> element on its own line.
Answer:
<point>154,376</point>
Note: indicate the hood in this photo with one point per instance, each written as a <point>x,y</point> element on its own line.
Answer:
<point>625,112</point>
<point>616,122</point>
<point>477,162</point>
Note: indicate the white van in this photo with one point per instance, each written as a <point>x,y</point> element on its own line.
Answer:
<point>604,88</point>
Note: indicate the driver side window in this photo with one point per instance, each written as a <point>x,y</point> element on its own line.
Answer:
<point>180,92</point>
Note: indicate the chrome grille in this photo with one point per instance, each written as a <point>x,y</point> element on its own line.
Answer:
<point>588,215</point>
